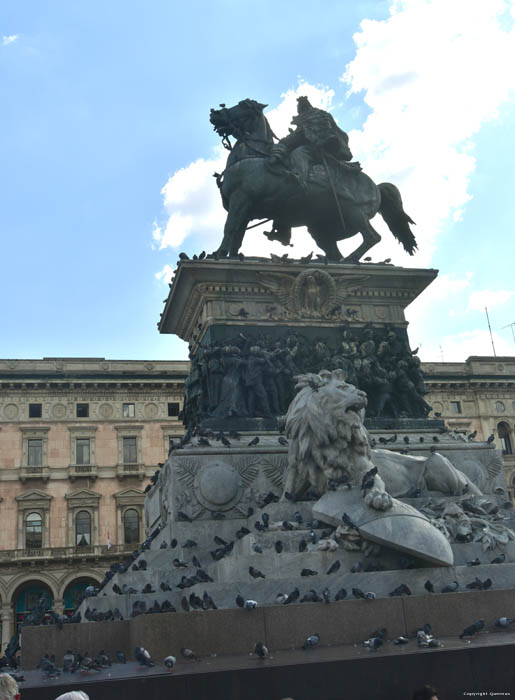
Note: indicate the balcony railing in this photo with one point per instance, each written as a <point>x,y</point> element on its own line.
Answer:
<point>124,471</point>
<point>76,471</point>
<point>56,553</point>
<point>39,472</point>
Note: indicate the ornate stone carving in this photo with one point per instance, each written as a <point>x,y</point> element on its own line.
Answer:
<point>312,294</point>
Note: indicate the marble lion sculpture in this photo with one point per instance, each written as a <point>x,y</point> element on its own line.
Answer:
<point>329,442</point>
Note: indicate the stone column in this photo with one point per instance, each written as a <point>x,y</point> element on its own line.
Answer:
<point>7,624</point>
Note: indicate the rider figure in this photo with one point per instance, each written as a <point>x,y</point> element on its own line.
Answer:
<point>317,139</point>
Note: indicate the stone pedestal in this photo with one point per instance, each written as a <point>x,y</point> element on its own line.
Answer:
<point>210,300</point>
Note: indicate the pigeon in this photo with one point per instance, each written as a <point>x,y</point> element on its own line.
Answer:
<point>303,545</point>
<point>310,597</point>
<point>400,590</point>
<point>499,560</point>
<point>255,573</point>
<point>401,640</point>
<point>502,622</point>
<point>451,587</point>
<point>253,442</point>
<point>195,602</point>
<point>183,517</point>
<point>250,604</point>
<point>265,518</point>
<point>473,629</point>
<point>68,660</point>
<point>287,525</point>
<point>347,520</point>
<point>203,576</point>
<point>218,515</point>
<point>368,479</point>
<point>311,641</point>
<point>281,598</point>
<point>278,546</point>
<point>292,597</point>
<point>334,567</point>
<point>326,596</point>
<point>474,562</point>
<point>256,548</point>
<point>163,545</point>
<point>308,572</point>
<point>189,544</point>
<point>341,595</point>
<point>143,657</point>
<point>219,541</point>
<point>298,517</point>
<point>183,256</point>
<point>196,562</point>
<point>306,258</point>
<point>225,441</point>
<point>490,439</point>
<point>282,441</point>
<point>120,656</point>
<point>358,593</point>
<point>179,564</point>
<point>476,584</point>
<point>472,436</point>
<point>240,602</point>
<point>429,586</point>
<point>184,604</point>
<point>188,653</point>
<point>261,650</point>
<point>373,643</point>
<point>313,537</point>
<point>370,595</point>
<point>487,583</point>
<point>242,532</point>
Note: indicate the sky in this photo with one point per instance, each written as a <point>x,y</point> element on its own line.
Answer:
<point>107,154</point>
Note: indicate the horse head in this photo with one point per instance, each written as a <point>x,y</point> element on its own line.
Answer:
<point>237,121</point>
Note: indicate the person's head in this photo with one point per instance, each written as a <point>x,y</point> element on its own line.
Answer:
<point>73,695</point>
<point>8,687</point>
<point>425,693</point>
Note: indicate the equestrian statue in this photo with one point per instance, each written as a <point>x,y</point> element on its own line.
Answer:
<point>305,179</point>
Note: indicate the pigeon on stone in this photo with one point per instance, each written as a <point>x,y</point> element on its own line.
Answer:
<point>477,584</point>
<point>218,515</point>
<point>504,621</point>
<point>169,662</point>
<point>373,643</point>
<point>311,641</point>
<point>120,657</point>
<point>255,573</point>
<point>451,587</point>
<point>303,545</point>
<point>358,593</point>
<point>278,546</point>
<point>68,660</point>
<point>218,540</point>
<point>474,562</point>
<point>259,526</point>
<point>183,517</point>
<point>143,657</point>
<point>117,589</point>
<point>334,567</point>
<point>281,598</point>
<point>261,650</point>
<point>429,586</point>
<point>184,604</point>
<point>348,521</point>
<point>313,537</point>
<point>500,559</point>
<point>173,543</point>
<point>188,654</point>
<point>308,572</point>
<point>195,602</point>
<point>242,532</point>
<point>163,545</point>
<point>282,441</point>
<point>292,597</point>
<point>250,604</point>
<point>490,439</point>
<point>265,518</point>
<point>240,602</point>
<point>208,603</point>
<point>401,640</point>
<point>326,596</point>
<point>196,562</point>
<point>310,597</point>
<point>473,629</point>
<point>286,525</point>
<point>368,479</point>
<point>148,588</point>
<point>370,595</point>
<point>189,544</point>
<point>166,606</point>
<point>256,548</point>
<point>253,442</point>
<point>270,498</point>
<point>341,595</point>
<point>179,564</point>
<point>400,590</point>
<point>203,576</point>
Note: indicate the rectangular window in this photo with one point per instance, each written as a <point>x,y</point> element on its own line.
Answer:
<point>82,410</point>
<point>35,453</point>
<point>173,409</point>
<point>455,406</point>
<point>35,410</point>
<point>82,451</point>
<point>129,410</point>
<point>130,452</point>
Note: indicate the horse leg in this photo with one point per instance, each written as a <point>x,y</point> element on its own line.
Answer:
<point>327,244</point>
<point>235,225</point>
<point>370,238</point>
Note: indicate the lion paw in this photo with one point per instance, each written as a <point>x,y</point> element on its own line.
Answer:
<point>379,500</point>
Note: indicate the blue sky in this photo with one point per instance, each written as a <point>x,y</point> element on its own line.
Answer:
<point>107,151</point>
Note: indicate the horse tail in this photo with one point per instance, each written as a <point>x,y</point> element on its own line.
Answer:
<point>398,221</point>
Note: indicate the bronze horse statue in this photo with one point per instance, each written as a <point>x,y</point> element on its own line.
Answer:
<point>332,197</point>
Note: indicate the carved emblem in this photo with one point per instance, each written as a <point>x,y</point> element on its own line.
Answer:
<point>312,294</point>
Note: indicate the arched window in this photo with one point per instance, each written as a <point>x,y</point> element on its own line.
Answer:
<point>83,529</point>
<point>503,430</point>
<point>33,531</point>
<point>131,526</point>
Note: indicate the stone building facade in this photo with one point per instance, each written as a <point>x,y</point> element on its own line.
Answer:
<point>477,395</point>
<point>79,439</point>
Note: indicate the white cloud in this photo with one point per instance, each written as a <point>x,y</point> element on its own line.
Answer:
<point>456,348</point>
<point>166,274</point>
<point>433,74</point>
<point>489,298</point>
<point>6,40</point>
